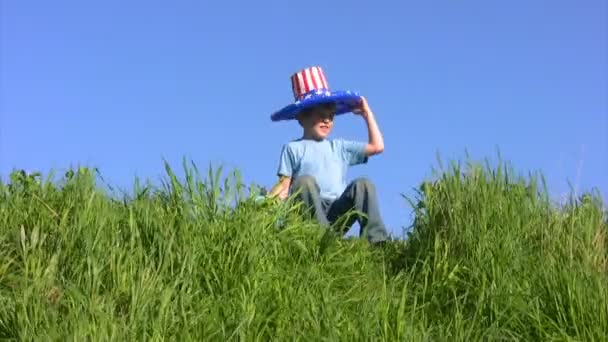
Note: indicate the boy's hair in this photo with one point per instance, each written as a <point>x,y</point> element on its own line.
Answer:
<point>308,111</point>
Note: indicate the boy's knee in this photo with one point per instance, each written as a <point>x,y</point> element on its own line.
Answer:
<point>306,181</point>
<point>363,183</point>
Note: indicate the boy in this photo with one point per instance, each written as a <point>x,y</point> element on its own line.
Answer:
<point>314,167</point>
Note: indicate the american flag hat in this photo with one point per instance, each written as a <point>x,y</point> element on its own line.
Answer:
<point>310,88</point>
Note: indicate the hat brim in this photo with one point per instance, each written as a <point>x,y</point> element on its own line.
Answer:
<point>345,101</point>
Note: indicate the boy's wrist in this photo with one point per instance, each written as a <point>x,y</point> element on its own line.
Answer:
<point>363,109</point>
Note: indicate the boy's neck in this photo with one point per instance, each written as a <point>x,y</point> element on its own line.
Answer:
<point>310,136</point>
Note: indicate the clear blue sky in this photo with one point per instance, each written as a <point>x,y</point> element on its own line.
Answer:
<point>121,84</point>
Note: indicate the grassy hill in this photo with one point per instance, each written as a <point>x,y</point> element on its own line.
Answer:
<point>490,258</point>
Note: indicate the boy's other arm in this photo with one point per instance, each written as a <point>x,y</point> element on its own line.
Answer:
<point>375,143</point>
<point>281,188</point>
<point>285,170</point>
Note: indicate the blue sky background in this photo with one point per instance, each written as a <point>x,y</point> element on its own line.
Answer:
<point>121,84</point>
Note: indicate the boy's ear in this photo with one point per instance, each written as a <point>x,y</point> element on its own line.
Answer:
<point>301,116</point>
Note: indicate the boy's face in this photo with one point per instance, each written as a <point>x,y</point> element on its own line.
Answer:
<point>318,122</point>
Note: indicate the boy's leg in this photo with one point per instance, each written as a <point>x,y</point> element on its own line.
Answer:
<point>360,195</point>
<point>307,190</point>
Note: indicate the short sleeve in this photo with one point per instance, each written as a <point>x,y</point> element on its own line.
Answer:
<point>285,162</point>
<point>353,152</point>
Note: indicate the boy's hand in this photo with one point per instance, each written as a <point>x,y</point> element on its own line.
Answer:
<point>281,189</point>
<point>363,108</point>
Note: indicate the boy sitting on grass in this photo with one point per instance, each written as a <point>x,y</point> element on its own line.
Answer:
<point>314,167</point>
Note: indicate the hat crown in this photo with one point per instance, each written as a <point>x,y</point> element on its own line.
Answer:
<point>307,80</point>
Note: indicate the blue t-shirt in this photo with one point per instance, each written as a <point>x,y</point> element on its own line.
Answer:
<point>327,161</point>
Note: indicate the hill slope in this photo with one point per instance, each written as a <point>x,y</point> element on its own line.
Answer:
<point>489,258</point>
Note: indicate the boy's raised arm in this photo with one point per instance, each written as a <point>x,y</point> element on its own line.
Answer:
<point>375,144</point>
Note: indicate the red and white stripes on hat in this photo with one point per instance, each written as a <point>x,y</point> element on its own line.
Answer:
<point>306,80</point>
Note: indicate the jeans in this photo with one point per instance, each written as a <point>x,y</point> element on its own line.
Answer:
<point>358,198</point>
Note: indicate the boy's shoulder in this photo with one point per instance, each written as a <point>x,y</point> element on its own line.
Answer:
<point>303,142</point>
<point>300,144</point>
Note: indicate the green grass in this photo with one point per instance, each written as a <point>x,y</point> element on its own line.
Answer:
<point>489,258</point>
